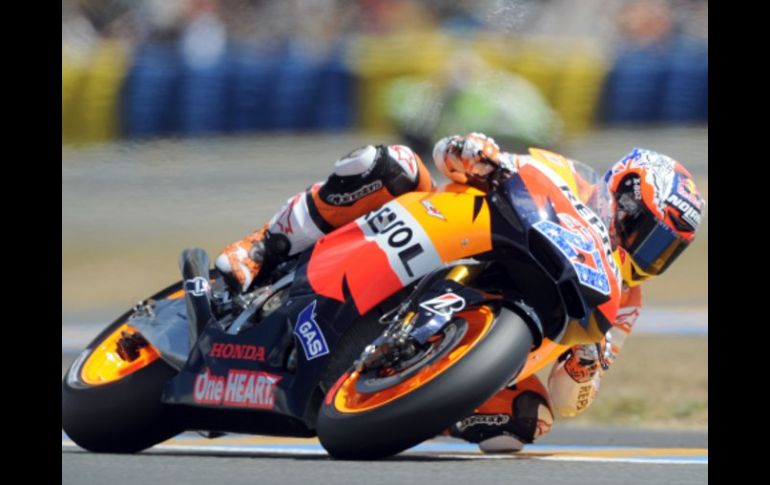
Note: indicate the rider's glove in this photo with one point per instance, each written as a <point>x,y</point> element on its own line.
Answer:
<point>462,157</point>
<point>582,362</point>
<point>507,161</point>
<point>477,152</point>
<point>574,380</point>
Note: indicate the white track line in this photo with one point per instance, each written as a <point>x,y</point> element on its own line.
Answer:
<point>257,450</point>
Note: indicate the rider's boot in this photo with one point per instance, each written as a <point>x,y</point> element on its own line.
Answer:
<point>516,415</point>
<point>241,261</point>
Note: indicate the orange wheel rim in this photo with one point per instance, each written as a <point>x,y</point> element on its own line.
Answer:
<point>175,295</point>
<point>348,400</point>
<point>104,365</point>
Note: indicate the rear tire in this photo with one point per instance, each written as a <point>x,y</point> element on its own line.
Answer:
<point>432,407</point>
<point>125,415</point>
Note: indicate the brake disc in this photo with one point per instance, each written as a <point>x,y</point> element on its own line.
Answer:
<point>371,381</point>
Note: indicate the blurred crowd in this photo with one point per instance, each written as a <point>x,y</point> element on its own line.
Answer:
<point>318,25</point>
<point>645,54</point>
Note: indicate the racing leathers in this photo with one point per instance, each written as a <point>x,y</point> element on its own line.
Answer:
<point>371,176</point>
<point>361,181</point>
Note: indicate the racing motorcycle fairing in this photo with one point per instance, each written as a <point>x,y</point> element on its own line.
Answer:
<point>398,244</point>
<point>540,244</point>
<point>589,312</point>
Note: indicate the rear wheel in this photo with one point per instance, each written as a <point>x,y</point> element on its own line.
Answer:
<point>112,402</point>
<point>384,411</point>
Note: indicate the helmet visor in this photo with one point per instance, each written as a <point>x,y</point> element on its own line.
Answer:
<point>652,245</point>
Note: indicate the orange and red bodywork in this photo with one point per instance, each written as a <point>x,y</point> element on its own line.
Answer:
<point>384,251</point>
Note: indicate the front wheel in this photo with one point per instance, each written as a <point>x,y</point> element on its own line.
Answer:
<point>384,412</point>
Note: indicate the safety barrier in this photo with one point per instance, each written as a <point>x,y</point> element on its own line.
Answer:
<point>663,83</point>
<point>156,93</point>
<point>91,94</point>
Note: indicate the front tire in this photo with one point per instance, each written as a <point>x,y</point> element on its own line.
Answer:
<point>359,426</point>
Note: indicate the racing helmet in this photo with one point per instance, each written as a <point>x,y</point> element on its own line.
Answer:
<point>657,209</point>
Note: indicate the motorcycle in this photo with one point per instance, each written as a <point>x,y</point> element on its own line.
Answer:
<point>380,336</point>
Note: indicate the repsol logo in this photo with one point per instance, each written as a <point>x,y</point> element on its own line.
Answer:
<point>584,396</point>
<point>590,216</point>
<point>237,351</point>
<point>398,235</point>
<point>350,197</point>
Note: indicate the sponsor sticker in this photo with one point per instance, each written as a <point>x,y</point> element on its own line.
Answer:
<point>596,223</point>
<point>584,397</point>
<point>221,350</point>
<point>637,188</point>
<point>309,333</point>
<point>241,389</point>
<point>690,214</point>
<point>350,197</point>
<point>431,209</point>
<point>444,305</point>
<point>577,245</point>
<point>686,188</point>
<point>401,237</point>
<point>197,286</point>
<point>483,419</point>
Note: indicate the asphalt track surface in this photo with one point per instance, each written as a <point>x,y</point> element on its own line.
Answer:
<point>603,456</point>
<point>599,455</point>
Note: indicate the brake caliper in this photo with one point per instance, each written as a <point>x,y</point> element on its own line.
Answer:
<point>394,345</point>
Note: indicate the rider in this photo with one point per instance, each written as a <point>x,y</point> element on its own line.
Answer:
<point>653,208</point>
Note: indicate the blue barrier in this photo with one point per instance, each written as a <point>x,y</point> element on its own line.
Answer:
<point>149,92</point>
<point>634,86</point>
<point>295,93</point>
<point>661,83</point>
<point>685,97</point>
<point>252,81</point>
<point>202,99</point>
<point>248,90</point>
<point>336,95</point>
<point>244,91</point>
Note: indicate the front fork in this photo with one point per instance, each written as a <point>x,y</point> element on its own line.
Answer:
<point>461,272</point>
<point>412,324</point>
<point>464,273</point>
